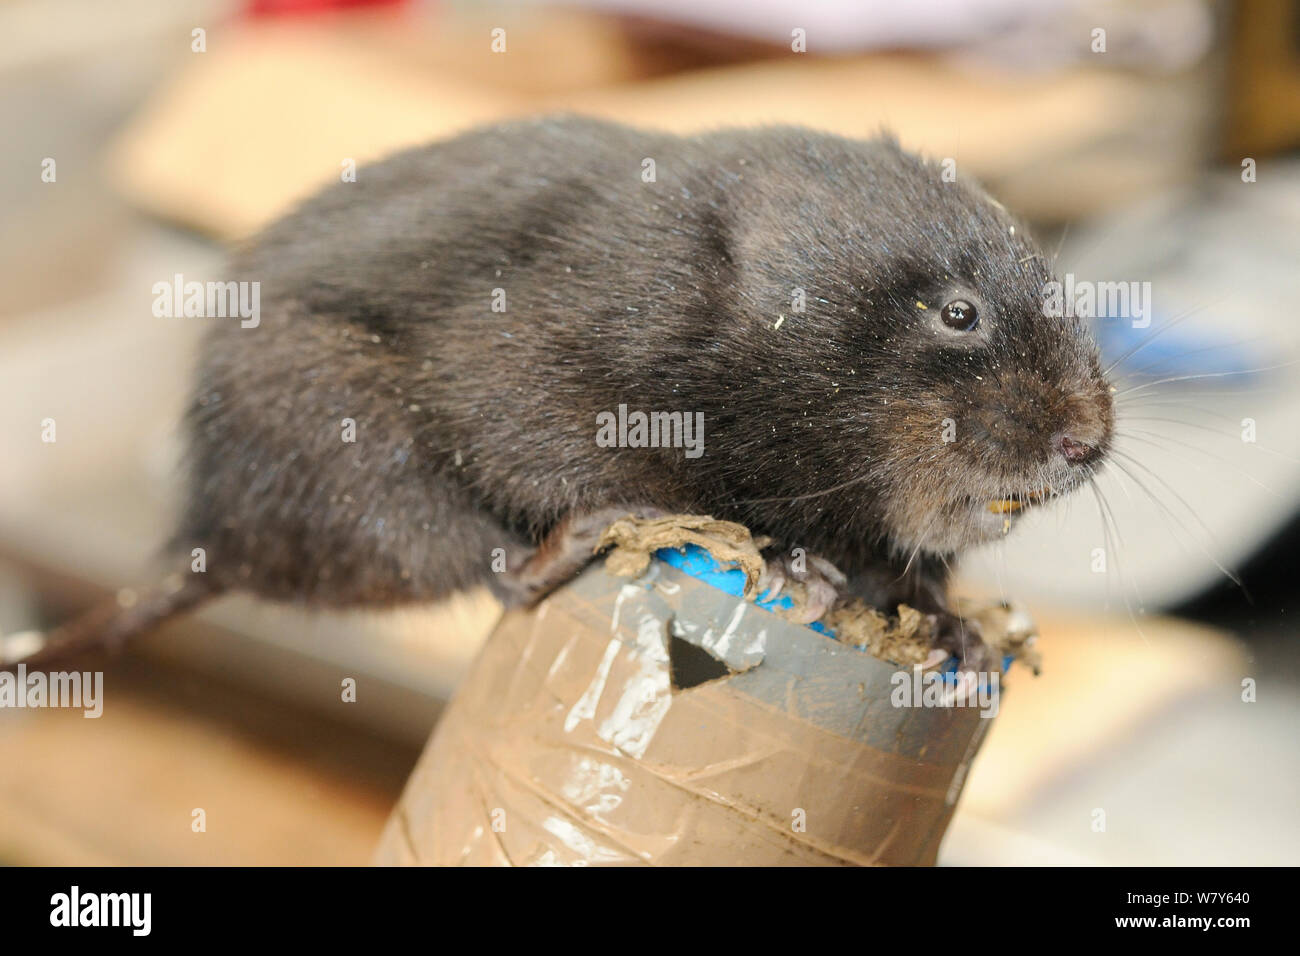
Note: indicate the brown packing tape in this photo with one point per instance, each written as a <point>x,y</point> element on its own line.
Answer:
<point>568,744</point>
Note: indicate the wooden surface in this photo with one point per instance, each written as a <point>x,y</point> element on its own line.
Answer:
<point>277,786</point>
<point>340,90</point>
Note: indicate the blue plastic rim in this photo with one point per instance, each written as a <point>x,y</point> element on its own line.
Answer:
<point>698,563</point>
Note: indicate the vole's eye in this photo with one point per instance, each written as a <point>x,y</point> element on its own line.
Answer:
<point>960,315</point>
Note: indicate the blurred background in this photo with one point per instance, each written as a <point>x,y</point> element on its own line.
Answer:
<point>1148,141</point>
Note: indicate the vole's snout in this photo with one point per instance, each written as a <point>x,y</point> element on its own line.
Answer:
<point>1076,452</point>
<point>1086,430</point>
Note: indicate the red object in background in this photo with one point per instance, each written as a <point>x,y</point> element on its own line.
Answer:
<point>271,8</point>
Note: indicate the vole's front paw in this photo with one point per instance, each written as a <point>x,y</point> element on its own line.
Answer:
<point>963,639</point>
<point>822,581</point>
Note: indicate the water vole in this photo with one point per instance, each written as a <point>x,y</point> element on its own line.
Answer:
<point>863,342</point>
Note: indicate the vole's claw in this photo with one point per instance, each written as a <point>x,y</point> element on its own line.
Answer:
<point>821,597</point>
<point>771,581</point>
<point>937,656</point>
<point>821,582</point>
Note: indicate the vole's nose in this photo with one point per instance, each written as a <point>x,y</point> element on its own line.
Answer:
<point>1076,452</point>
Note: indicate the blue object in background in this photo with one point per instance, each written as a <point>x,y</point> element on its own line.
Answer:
<point>1185,350</point>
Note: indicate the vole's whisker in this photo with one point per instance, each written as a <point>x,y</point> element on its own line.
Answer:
<point>1191,378</point>
<point>1144,403</point>
<point>1216,347</point>
<point>1212,431</point>
<point>1175,421</point>
<point>804,497</point>
<point>917,550</point>
<point>1060,243</point>
<point>1165,509</point>
<point>1172,323</point>
<point>1107,522</point>
<point>1153,439</point>
<point>1137,592</point>
<point>1178,396</point>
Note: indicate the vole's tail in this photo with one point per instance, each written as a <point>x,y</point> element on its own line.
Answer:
<point>109,624</point>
